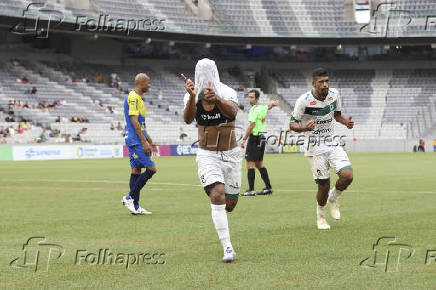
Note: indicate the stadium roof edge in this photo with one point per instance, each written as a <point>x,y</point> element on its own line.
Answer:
<point>7,22</point>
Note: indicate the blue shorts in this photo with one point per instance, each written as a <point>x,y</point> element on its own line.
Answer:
<point>138,159</point>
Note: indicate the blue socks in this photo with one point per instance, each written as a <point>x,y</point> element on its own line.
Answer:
<point>139,182</point>
<point>133,178</point>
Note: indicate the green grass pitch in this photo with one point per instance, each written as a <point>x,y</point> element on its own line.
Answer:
<point>76,204</point>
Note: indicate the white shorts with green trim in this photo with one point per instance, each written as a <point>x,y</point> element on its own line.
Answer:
<point>220,167</point>
<point>337,159</point>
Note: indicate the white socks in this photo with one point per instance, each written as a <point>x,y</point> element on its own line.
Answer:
<point>219,217</point>
<point>334,194</point>
<point>321,211</point>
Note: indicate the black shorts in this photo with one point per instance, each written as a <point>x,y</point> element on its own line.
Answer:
<point>255,148</point>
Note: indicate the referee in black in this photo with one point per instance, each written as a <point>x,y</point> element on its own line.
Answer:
<point>256,143</point>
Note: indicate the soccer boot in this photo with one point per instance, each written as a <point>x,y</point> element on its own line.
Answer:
<point>265,191</point>
<point>128,203</point>
<point>229,255</point>
<point>249,193</point>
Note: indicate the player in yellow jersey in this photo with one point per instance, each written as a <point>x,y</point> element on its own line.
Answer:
<point>139,143</point>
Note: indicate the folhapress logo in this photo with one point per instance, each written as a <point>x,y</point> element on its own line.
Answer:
<point>38,254</point>
<point>389,255</point>
<point>38,20</point>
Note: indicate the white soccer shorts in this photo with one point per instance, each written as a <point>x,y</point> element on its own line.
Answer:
<point>337,159</point>
<point>220,166</point>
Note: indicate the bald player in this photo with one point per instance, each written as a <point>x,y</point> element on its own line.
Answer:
<point>139,143</point>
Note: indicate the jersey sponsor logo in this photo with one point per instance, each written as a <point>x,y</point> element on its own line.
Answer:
<point>313,103</point>
<point>211,117</point>
<point>318,122</point>
<point>320,111</point>
<point>135,156</point>
<point>322,131</point>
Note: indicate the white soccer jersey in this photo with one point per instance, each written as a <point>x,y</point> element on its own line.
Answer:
<point>308,107</point>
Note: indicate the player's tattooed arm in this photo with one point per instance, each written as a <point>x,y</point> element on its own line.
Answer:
<point>190,108</point>
<point>349,123</point>
<point>297,127</point>
<point>228,108</point>
<point>137,127</point>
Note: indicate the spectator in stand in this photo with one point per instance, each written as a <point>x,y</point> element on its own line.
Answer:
<point>160,94</point>
<point>100,79</point>
<point>58,119</point>
<point>25,80</point>
<point>112,126</point>
<point>26,105</point>
<point>119,127</point>
<point>110,110</point>
<point>11,131</point>
<point>421,146</point>
<point>78,138</point>
<point>34,91</point>
<point>9,118</point>
<point>43,137</point>
<point>3,136</point>
<point>20,129</point>
<point>74,119</point>
<point>182,134</point>
<point>25,126</point>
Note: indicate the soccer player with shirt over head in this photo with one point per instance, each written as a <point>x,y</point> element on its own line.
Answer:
<point>315,113</point>
<point>214,106</point>
<point>139,143</point>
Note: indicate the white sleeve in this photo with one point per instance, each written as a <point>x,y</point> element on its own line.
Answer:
<point>299,109</point>
<point>338,101</point>
<point>230,94</point>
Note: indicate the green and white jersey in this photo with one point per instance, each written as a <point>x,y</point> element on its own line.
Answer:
<point>308,107</point>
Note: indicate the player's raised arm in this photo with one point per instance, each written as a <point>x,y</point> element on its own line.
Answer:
<point>349,123</point>
<point>228,108</point>
<point>190,108</point>
<point>273,104</point>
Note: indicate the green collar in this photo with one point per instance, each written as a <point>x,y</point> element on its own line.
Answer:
<point>317,97</point>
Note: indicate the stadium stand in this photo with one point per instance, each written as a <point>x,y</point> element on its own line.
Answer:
<point>310,18</point>
<point>384,103</point>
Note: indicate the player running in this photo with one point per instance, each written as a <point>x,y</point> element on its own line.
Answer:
<point>313,114</point>
<point>256,143</point>
<point>214,106</point>
<point>139,143</point>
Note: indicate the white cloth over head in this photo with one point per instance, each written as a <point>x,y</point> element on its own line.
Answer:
<point>205,72</point>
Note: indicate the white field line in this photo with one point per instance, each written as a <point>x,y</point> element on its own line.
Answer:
<point>198,185</point>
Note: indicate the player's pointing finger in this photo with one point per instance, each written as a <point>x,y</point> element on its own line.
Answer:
<point>184,78</point>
